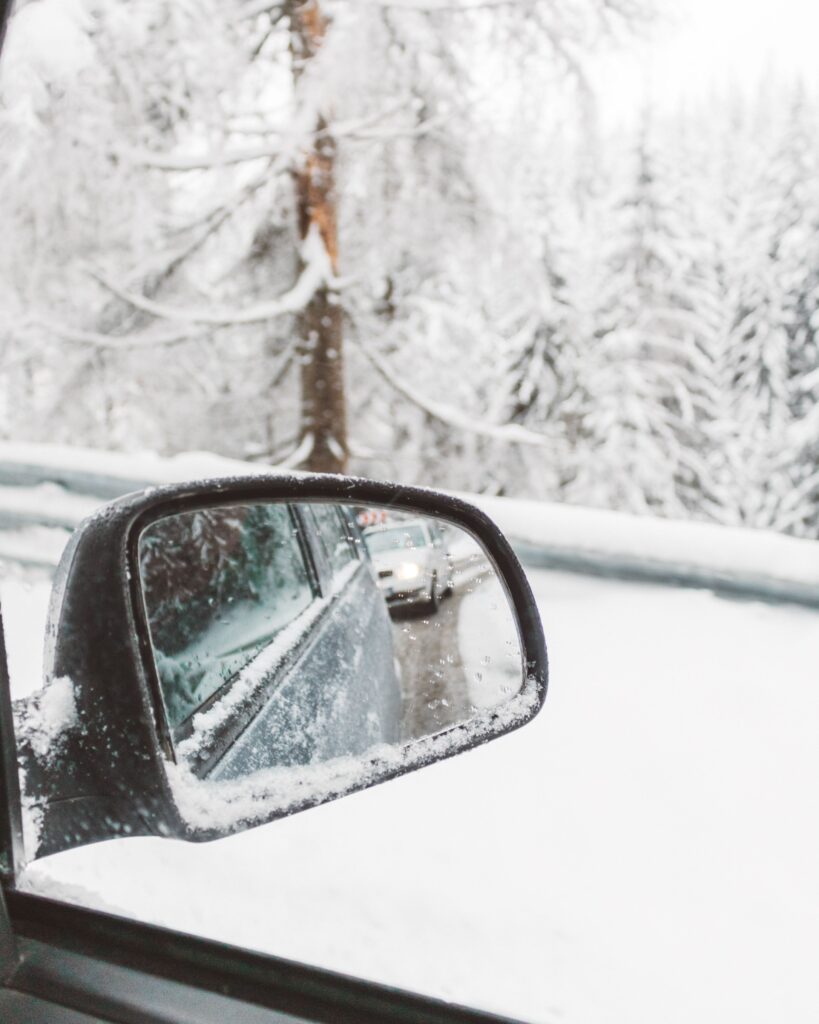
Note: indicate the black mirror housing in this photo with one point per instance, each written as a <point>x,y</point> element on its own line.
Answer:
<point>106,774</point>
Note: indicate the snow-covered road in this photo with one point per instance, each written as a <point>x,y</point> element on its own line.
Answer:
<point>647,850</point>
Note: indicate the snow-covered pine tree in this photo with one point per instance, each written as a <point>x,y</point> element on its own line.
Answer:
<point>634,448</point>
<point>750,430</point>
<point>798,253</point>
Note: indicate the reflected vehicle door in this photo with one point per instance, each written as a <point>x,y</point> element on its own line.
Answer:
<point>260,642</point>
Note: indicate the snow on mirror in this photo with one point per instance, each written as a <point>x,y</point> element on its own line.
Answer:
<point>317,637</point>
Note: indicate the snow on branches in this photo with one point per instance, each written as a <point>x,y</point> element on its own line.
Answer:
<point>392,233</point>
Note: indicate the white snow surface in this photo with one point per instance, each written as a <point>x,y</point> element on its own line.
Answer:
<point>646,850</point>
<point>32,545</point>
<point>24,599</point>
<point>56,713</point>
<point>47,46</point>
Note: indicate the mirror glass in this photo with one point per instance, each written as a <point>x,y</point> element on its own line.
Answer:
<point>319,636</point>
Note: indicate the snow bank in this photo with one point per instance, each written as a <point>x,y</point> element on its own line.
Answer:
<point>645,852</point>
<point>754,562</point>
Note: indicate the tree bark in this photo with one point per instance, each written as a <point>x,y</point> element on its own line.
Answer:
<point>323,398</point>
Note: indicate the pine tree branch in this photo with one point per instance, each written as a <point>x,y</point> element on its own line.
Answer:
<point>286,143</point>
<point>433,7</point>
<point>509,433</point>
<point>125,342</point>
<point>284,363</point>
<point>315,274</point>
<point>203,229</point>
<point>299,456</point>
<point>255,8</point>
<point>205,162</point>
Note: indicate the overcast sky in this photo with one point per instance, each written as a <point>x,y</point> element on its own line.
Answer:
<point>707,45</point>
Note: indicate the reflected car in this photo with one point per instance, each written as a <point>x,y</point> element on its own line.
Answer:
<point>412,564</point>
<point>276,603</point>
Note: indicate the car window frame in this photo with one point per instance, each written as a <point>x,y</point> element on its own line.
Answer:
<point>72,960</point>
<point>344,529</point>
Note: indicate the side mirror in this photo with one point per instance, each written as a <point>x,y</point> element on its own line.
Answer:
<point>225,653</point>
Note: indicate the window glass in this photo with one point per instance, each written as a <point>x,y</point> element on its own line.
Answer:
<point>218,585</point>
<point>335,535</point>
<point>396,539</point>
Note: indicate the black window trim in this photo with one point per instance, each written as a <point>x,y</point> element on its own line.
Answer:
<point>74,957</point>
<point>325,557</point>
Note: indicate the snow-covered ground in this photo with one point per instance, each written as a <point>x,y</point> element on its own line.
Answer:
<point>647,850</point>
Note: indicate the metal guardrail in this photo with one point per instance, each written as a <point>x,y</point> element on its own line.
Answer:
<point>623,567</point>
<point>41,504</point>
<point>82,488</point>
<point>75,481</point>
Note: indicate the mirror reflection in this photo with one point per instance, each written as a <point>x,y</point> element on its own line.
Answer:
<point>292,634</point>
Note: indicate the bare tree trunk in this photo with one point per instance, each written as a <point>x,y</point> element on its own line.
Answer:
<point>323,400</point>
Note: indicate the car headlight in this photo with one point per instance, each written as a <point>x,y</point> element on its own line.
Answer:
<point>408,571</point>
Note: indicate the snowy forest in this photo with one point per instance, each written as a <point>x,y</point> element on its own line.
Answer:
<point>394,238</point>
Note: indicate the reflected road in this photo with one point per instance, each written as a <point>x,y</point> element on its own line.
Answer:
<point>433,682</point>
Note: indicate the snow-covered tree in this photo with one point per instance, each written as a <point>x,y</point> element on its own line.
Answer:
<point>393,238</point>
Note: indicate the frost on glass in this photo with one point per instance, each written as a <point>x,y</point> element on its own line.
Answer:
<point>304,650</point>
